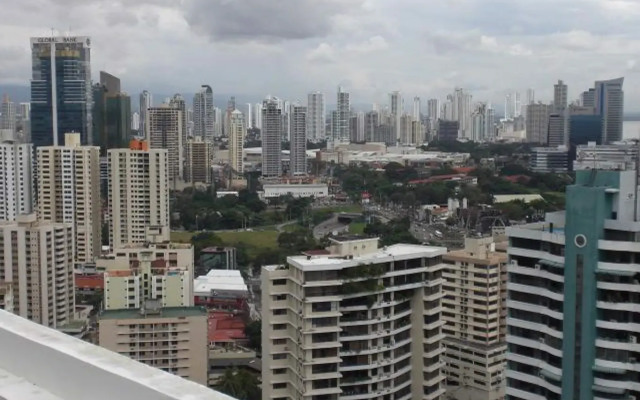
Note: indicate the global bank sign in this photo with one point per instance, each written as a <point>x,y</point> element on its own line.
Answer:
<point>84,40</point>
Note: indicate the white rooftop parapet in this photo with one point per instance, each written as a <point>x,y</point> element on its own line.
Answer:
<point>48,365</point>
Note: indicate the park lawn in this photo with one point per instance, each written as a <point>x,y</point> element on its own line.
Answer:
<point>255,240</point>
<point>181,236</point>
<point>357,228</point>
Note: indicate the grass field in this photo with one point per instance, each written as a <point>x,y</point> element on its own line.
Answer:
<point>357,228</point>
<point>257,239</point>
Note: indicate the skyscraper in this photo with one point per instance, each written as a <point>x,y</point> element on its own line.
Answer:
<point>609,103</point>
<point>271,138</point>
<point>141,174</point>
<point>396,107</point>
<point>61,96</point>
<point>558,134</point>
<point>204,119</point>
<point>146,102</point>
<point>8,115</point>
<point>16,179</point>
<point>197,165</point>
<point>135,121</point>
<point>298,145</point>
<point>371,122</point>
<point>257,111</point>
<point>249,116</point>
<point>531,96</point>
<point>316,117</point>
<point>111,114</point>
<point>573,288</point>
<point>433,113</point>
<point>40,269</point>
<point>177,101</point>
<point>237,132</point>
<point>490,124</point>
<point>416,109</point>
<point>340,131</point>
<point>559,96</point>
<point>165,132</point>
<point>537,123</point>
<point>460,102</point>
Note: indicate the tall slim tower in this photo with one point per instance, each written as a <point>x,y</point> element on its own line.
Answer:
<point>61,96</point>
<point>396,107</point>
<point>177,101</point>
<point>298,145</point>
<point>433,113</point>
<point>69,192</point>
<point>316,117</point>
<point>271,138</point>
<point>416,108</point>
<point>257,110</point>
<point>139,174</point>
<point>249,116</point>
<point>237,132</point>
<point>8,115</point>
<point>340,131</point>
<point>16,179</point>
<point>112,119</point>
<point>609,103</point>
<point>559,96</point>
<point>146,102</point>
<point>203,114</point>
<point>165,132</point>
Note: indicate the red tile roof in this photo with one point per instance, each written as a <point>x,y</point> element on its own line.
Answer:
<point>225,327</point>
<point>464,170</point>
<point>93,281</point>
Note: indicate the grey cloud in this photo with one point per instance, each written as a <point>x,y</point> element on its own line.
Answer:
<point>261,20</point>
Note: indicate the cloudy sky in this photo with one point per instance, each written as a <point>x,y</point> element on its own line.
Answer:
<point>289,47</point>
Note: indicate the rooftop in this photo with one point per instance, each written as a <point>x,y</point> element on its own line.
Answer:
<point>36,362</point>
<point>166,312</point>
<point>220,279</point>
<point>225,327</point>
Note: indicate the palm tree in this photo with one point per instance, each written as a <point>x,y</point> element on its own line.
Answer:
<point>239,383</point>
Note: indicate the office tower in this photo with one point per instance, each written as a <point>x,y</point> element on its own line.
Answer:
<point>146,102</point>
<point>249,116</point>
<point>204,118</point>
<point>537,124</point>
<point>448,130</point>
<point>343,112</point>
<point>271,138</point>
<point>157,330</point>
<point>517,105</point>
<point>558,134</point>
<point>257,110</point>
<point>361,322</point>
<point>8,115</point>
<point>237,132</point>
<point>298,145</point>
<point>177,101</point>
<point>16,179</point>
<point>197,165</point>
<point>475,324</point>
<point>588,98</point>
<point>396,107</point>
<point>38,261</point>
<point>531,96</point>
<point>433,113</point>
<point>572,288</point>
<point>609,103</point>
<point>165,132</point>
<point>137,173</point>
<point>560,101</point>
<point>316,117</point>
<point>61,96</point>
<point>151,271</point>
<point>135,121</point>
<point>371,122</point>
<point>416,109</point>
<point>69,192</point>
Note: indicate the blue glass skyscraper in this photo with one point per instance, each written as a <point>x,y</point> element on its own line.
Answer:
<point>61,95</point>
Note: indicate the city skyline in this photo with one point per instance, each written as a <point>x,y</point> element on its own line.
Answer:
<point>339,46</point>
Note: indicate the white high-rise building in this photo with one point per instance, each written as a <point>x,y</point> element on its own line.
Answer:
<point>298,145</point>
<point>135,121</point>
<point>340,124</point>
<point>204,117</point>
<point>138,194</point>
<point>517,105</point>
<point>475,328</point>
<point>257,118</point>
<point>37,259</point>
<point>316,117</point>
<point>218,122</point>
<point>146,101</point>
<point>609,103</point>
<point>16,179</point>
<point>560,101</point>
<point>531,96</point>
<point>271,135</point>
<point>249,116</point>
<point>417,112</point>
<point>69,192</point>
<point>508,107</point>
<point>433,113</point>
<point>461,111</point>
<point>237,132</point>
<point>165,124</point>
<point>361,322</point>
<point>8,115</point>
<point>177,102</point>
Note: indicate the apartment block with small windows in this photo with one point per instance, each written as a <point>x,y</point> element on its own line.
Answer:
<point>173,339</point>
<point>474,310</point>
<point>359,322</point>
<point>16,179</point>
<point>197,166</point>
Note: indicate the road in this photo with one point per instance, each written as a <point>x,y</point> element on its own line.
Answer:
<point>328,226</point>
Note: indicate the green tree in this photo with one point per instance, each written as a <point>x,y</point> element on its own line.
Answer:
<point>240,384</point>
<point>203,240</point>
<point>253,331</point>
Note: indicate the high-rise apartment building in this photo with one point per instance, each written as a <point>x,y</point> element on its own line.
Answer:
<point>61,96</point>
<point>340,122</point>
<point>257,118</point>
<point>248,116</point>
<point>135,121</point>
<point>237,132</point>
<point>560,96</point>
<point>271,138</point>
<point>177,102</point>
<point>537,124</point>
<point>37,259</point>
<point>359,322</point>
<point>197,165</point>
<point>16,179</point>
<point>298,144</point>
<point>138,194</point>
<point>417,111</point>
<point>531,96</point>
<point>558,134</point>
<point>474,310</point>
<point>460,102</point>
<point>316,117</point>
<point>371,122</point>
<point>573,287</point>
<point>203,116</point>
<point>609,104</point>
<point>146,102</point>
<point>8,115</point>
<point>173,339</point>
<point>69,192</point>
<point>165,132</point>
<point>433,113</point>
<point>396,108</point>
